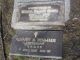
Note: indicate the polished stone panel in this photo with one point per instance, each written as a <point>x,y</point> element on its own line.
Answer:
<point>46,44</point>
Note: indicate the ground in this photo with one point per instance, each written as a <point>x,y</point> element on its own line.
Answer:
<point>71,31</point>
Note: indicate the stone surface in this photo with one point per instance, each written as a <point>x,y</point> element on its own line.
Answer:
<point>40,14</point>
<point>45,44</point>
<point>67,9</point>
<point>34,15</point>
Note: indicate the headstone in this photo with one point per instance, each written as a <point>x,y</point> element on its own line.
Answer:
<point>40,14</point>
<point>44,44</point>
<point>34,21</point>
